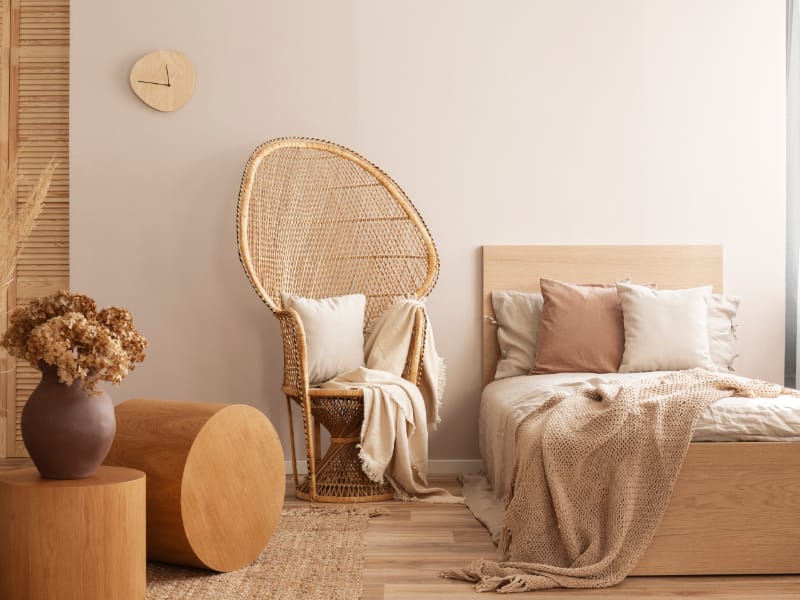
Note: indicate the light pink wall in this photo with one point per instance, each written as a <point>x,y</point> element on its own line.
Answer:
<point>550,121</point>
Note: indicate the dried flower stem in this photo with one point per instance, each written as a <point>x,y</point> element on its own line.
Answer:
<point>16,224</point>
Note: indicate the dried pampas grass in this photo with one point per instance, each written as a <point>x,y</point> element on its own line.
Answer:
<point>16,223</point>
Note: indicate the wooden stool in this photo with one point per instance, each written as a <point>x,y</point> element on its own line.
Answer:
<point>73,539</point>
<point>215,479</point>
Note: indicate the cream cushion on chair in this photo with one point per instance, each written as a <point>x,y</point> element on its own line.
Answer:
<point>334,329</point>
<point>665,330</point>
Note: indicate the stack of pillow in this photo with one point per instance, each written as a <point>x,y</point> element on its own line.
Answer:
<point>620,327</point>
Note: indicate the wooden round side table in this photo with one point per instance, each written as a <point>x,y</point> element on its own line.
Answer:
<point>73,539</point>
<point>215,479</point>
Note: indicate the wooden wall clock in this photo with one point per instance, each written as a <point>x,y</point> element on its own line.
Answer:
<point>163,79</point>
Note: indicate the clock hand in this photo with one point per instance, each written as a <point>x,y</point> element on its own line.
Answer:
<point>153,82</point>
<point>166,66</point>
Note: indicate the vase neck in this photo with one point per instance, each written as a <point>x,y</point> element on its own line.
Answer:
<point>50,375</point>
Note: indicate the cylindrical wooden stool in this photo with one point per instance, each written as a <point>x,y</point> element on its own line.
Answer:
<point>215,479</point>
<point>74,539</point>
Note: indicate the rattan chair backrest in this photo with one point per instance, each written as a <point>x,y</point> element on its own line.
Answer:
<point>317,220</point>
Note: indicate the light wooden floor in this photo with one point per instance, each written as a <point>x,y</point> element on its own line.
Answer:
<point>407,549</point>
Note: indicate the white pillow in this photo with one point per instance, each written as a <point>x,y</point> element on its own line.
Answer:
<point>722,310</point>
<point>665,330</point>
<point>334,329</point>
<point>518,315</point>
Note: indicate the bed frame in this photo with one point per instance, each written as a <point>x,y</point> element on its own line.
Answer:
<point>736,506</point>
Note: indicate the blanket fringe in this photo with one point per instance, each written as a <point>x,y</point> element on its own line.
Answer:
<point>470,573</point>
<point>371,470</point>
<point>482,581</point>
<point>491,576</point>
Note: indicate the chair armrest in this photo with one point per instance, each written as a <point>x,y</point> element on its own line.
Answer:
<point>295,362</point>
<point>295,386</point>
<point>413,367</point>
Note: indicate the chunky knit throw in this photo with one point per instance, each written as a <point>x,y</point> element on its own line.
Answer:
<point>594,471</point>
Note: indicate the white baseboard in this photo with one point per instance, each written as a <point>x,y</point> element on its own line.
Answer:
<point>435,467</point>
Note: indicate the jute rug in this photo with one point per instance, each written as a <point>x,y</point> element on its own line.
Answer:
<point>315,553</point>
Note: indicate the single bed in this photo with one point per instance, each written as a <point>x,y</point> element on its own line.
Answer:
<point>735,507</point>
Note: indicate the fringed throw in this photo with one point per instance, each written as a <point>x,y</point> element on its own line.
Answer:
<point>594,471</point>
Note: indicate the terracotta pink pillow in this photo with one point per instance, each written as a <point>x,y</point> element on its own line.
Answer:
<point>581,329</point>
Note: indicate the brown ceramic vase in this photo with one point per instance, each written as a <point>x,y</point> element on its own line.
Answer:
<point>67,432</point>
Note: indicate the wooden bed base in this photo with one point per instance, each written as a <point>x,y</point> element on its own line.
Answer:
<point>736,506</point>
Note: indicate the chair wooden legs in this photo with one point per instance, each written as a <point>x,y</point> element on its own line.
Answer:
<point>291,441</point>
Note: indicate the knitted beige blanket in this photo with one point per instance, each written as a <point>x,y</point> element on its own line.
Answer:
<point>594,471</point>
<point>397,414</point>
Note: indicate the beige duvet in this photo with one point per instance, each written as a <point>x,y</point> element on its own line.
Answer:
<point>593,473</point>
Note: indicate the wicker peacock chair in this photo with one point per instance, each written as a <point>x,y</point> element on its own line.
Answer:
<point>317,220</point>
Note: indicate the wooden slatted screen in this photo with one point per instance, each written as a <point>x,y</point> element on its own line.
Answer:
<point>34,107</point>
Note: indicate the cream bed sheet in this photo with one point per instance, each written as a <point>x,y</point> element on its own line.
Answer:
<point>505,402</point>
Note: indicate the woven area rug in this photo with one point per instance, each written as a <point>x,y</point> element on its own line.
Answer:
<point>315,553</point>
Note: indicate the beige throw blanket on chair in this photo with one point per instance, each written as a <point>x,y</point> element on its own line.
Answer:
<point>394,435</point>
<point>594,471</point>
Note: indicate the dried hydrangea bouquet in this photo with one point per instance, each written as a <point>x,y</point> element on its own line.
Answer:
<point>68,423</point>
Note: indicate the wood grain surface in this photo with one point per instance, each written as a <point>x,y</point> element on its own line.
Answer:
<point>163,79</point>
<point>77,539</point>
<point>734,510</point>
<point>34,128</point>
<point>215,479</point>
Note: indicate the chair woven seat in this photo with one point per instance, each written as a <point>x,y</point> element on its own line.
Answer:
<point>317,220</point>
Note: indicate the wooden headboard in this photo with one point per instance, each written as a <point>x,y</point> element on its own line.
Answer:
<point>521,267</point>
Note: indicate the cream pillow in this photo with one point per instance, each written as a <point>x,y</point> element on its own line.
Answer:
<point>334,329</point>
<point>722,310</point>
<point>665,330</point>
<point>518,315</point>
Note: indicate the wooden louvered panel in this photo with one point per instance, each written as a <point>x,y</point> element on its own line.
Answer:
<point>7,382</point>
<point>43,285</point>
<point>34,127</point>
<point>27,379</point>
<point>44,23</point>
